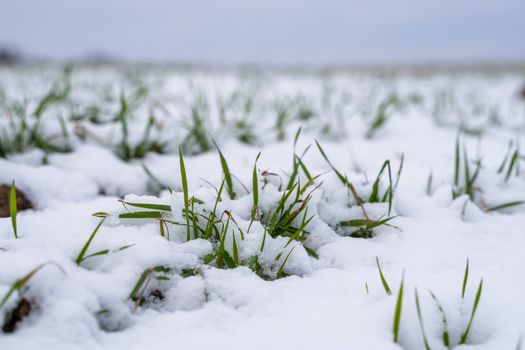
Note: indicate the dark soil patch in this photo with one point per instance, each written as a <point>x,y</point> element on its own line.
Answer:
<point>16,315</point>
<point>22,202</point>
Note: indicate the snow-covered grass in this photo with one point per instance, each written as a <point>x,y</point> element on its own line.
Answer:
<point>261,209</point>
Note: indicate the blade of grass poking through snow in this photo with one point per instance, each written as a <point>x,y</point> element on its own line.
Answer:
<point>420,318</point>
<point>12,208</point>
<point>22,282</point>
<point>226,172</point>
<point>194,219</point>
<point>137,293</point>
<point>255,187</point>
<point>399,170</point>
<point>261,248</point>
<point>456,162</point>
<point>398,309</point>
<point>383,279</point>
<point>464,336</point>
<point>368,223</point>
<point>280,272</point>
<point>444,336</point>
<point>82,253</point>
<point>160,207</point>
<point>505,206</point>
<point>210,225</point>
<point>304,223</point>
<point>222,254</point>
<point>389,194</point>
<point>429,184</point>
<point>235,250</point>
<point>108,251</point>
<point>295,166</point>
<point>465,281</point>
<point>507,154</point>
<point>152,177</point>
<point>343,180</point>
<point>513,163</point>
<point>144,277</point>
<point>141,215</point>
<point>184,181</point>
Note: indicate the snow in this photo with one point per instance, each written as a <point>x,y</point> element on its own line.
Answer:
<point>335,301</point>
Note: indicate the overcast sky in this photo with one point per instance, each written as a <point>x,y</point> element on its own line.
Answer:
<point>269,31</point>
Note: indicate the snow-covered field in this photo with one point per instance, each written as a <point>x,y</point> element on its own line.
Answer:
<point>339,213</point>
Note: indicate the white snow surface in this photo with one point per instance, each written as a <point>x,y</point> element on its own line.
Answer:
<point>335,301</point>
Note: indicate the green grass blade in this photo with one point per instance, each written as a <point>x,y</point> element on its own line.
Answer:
<point>368,223</point>
<point>82,253</point>
<point>513,163</point>
<point>211,219</point>
<point>465,281</point>
<point>445,335</point>
<point>383,279</point>
<point>107,251</point>
<point>184,181</point>
<point>507,154</point>
<point>399,170</point>
<point>505,205</point>
<point>398,309</point>
<point>261,248</point>
<point>22,282</point>
<point>160,207</point>
<point>12,208</point>
<point>226,172</point>
<point>342,178</point>
<point>255,186</point>
<point>141,215</point>
<point>235,250</point>
<point>464,336</point>
<point>280,272</point>
<point>457,161</point>
<point>194,219</point>
<point>420,318</point>
<point>144,276</point>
